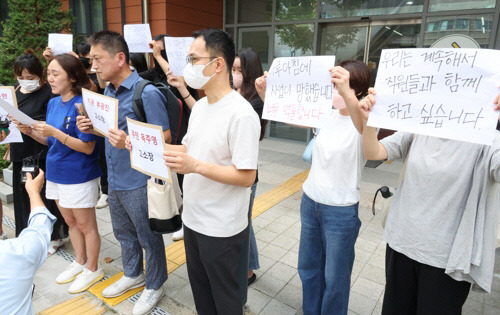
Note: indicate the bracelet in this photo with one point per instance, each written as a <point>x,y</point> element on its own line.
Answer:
<point>66,138</point>
<point>186,96</point>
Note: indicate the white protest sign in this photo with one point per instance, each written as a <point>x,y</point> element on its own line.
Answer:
<point>8,95</point>
<point>445,93</point>
<point>148,145</point>
<point>61,43</point>
<point>137,37</point>
<point>299,90</point>
<point>177,49</point>
<point>102,111</point>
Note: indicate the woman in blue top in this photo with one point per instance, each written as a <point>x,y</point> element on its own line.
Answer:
<point>72,169</point>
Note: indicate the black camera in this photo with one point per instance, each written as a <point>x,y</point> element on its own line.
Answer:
<point>30,165</point>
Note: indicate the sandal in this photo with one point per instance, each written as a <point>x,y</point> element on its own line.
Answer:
<point>54,246</point>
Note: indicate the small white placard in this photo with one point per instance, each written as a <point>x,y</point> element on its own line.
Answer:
<point>102,111</point>
<point>177,49</point>
<point>137,37</point>
<point>8,95</point>
<point>148,145</point>
<point>441,92</point>
<point>61,43</point>
<point>299,90</point>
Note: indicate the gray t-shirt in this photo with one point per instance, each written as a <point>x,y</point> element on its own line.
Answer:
<point>428,206</point>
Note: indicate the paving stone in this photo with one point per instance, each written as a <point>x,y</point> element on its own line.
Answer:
<point>266,235</point>
<point>296,282</point>
<point>265,263</point>
<point>291,296</point>
<point>377,261</point>
<point>185,297</point>
<point>260,222</point>
<point>275,307</point>
<point>374,274</point>
<point>362,255</point>
<point>256,300</point>
<point>284,242</point>
<point>369,246</point>
<point>291,259</point>
<point>361,304</point>
<point>368,288</point>
<point>281,271</point>
<point>269,285</point>
<point>272,251</point>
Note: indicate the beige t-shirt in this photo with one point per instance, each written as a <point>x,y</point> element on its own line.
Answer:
<point>224,133</point>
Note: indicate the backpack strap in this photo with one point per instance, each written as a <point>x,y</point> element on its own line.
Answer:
<point>180,121</point>
<point>137,104</point>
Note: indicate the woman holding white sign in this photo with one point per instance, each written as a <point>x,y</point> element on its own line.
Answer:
<point>32,94</point>
<point>442,226</point>
<point>329,207</point>
<point>72,169</point>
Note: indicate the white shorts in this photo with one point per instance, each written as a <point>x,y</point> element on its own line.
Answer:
<point>84,195</point>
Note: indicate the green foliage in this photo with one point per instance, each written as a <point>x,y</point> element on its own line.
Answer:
<point>3,163</point>
<point>28,26</point>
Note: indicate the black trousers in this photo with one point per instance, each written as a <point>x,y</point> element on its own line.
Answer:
<point>415,288</point>
<point>22,204</point>
<point>212,263</point>
<point>102,165</point>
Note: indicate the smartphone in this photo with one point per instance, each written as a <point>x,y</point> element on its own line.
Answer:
<point>81,110</point>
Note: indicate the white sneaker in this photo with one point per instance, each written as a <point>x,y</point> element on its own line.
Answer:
<point>102,202</point>
<point>179,235</point>
<point>70,273</point>
<point>85,280</point>
<point>3,237</point>
<point>147,301</point>
<point>123,285</point>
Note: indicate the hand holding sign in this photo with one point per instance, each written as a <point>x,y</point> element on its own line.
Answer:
<point>444,93</point>
<point>299,90</point>
<point>102,111</point>
<point>147,144</point>
<point>137,37</point>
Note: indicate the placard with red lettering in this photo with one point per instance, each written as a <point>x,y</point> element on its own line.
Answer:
<point>440,92</point>
<point>299,90</point>
<point>9,104</point>
<point>148,145</point>
<point>102,111</point>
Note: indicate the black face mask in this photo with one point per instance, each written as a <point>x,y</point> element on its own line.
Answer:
<point>85,62</point>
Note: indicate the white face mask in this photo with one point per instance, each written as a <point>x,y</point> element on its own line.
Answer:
<point>237,80</point>
<point>193,75</point>
<point>29,85</point>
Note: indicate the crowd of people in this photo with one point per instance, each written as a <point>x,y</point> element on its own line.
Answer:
<point>215,155</point>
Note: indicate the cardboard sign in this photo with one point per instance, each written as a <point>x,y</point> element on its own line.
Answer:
<point>137,37</point>
<point>299,90</point>
<point>177,49</point>
<point>102,111</point>
<point>8,100</point>
<point>61,43</point>
<point>148,145</point>
<point>446,93</point>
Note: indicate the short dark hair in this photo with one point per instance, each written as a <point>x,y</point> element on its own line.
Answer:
<point>75,71</point>
<point>112,42</point>
<point>359,76</point>
<point>31,63</point>
<point>219,43</point>
<point>251,69</point>
<point>82,48</point>
<point>139,62</point>
<point>160,36</point>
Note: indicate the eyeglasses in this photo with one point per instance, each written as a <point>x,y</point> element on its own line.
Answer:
<point>193,59</point>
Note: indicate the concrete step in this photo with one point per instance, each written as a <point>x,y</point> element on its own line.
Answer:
<point>6,193</point>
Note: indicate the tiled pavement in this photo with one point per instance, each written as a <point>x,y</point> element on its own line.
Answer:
<point>278,288</point>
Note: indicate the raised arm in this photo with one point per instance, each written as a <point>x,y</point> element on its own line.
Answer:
<point>372,148</point>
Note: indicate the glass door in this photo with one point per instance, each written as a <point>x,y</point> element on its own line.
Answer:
<point>258,38</point>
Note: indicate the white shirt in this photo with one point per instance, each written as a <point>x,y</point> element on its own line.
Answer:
<point>337,161</point>
<point>224,133</point>
<point>19,260</point>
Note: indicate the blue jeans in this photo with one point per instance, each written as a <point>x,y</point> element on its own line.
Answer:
<point>326,255</point>
<point>253,260</point>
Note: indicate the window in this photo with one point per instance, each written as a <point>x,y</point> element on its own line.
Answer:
<point>90,17</point>
<point>339,8</point>
<point>288,10</point>
<point>255,11</point>
<point>445,5</point>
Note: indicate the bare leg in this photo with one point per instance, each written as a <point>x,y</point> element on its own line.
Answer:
<point>76,236</point>
<point>87,224</point>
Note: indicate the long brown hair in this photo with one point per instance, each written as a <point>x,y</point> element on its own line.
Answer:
<point>75,71</point>
<point>251,69</point>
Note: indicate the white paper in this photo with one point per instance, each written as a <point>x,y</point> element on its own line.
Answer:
<point>299,90</point>
<point>14,133</point>
<point>102,110</point>
<point>147,149</point>
<point>137,37</point>
<point>445,93</point>
<point>177,49</point>
<point>61,43</point>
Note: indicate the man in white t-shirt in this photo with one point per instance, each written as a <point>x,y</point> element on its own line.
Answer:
<point>219,157</point>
